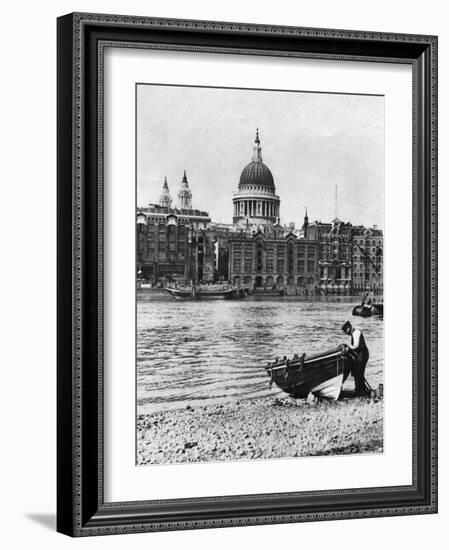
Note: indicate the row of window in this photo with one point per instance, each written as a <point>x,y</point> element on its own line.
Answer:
<point>269,266</point>
<point>368,242</point>
<point>270,251</point>
<point>163,257</point>
<point>374,250</point>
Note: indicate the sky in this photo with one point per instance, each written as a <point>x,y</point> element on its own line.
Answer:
<point>311,142</point>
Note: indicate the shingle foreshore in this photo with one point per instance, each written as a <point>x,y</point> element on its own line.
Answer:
<point>272,427</point>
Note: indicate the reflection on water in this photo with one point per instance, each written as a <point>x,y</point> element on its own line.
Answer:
<point>199,353</point>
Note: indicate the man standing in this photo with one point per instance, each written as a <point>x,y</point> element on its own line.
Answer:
<point>359,354</point>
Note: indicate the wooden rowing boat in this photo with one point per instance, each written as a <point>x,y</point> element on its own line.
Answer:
<point>320,374</point>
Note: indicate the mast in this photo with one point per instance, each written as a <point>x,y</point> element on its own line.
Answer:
<point>336,201</point>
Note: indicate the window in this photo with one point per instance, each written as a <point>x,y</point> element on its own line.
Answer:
<point>290,258</point>
<point>259,259</point>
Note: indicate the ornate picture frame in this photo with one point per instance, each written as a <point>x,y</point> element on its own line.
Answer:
<point>81,507</point>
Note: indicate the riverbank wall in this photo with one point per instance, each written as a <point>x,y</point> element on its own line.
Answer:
<point>160,295</point>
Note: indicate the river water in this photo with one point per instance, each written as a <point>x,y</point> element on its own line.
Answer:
<point>199,353</point>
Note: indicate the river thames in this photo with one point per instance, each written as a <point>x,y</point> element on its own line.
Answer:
<point>209,352</point>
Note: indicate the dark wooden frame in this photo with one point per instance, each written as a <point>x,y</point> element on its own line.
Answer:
<point>81,509</point>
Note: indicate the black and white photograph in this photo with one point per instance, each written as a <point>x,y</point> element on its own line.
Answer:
<point>221,254</point>
<point>259,273</point>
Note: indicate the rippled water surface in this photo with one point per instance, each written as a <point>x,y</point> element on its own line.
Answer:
<point>199,353</point>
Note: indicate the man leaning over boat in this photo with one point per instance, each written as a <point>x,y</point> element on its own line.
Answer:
<point>359,354</point>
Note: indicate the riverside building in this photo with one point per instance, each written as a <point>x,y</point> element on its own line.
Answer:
<point>175,243</point>
<point>350,257</point>
<point>256,252</point>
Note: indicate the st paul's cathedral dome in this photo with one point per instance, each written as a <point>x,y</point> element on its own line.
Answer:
<point>256,201</point>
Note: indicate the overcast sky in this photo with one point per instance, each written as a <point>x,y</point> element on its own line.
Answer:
<point>310,141</point>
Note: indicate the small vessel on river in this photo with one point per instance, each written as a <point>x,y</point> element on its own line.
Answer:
<point>369,307</point>
<point>273,292</point>
<point>320,374</point>
<point>201,292</point>
<point>367,311</point>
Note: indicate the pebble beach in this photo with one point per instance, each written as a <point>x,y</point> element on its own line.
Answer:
<point>269,427</point>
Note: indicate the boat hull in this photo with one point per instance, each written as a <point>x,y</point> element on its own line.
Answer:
<point>267,293</point>
<point>320,374</point>
<point>330,389</point>
<point>187,294</point>
<point>365,311</point>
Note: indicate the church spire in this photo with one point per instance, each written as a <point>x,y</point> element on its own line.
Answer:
<point>305,225</point>
<point>257,149</point>
<point>185,195</point>
<point>165,199</point>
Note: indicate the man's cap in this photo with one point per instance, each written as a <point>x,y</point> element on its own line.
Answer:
<point>345,327</point>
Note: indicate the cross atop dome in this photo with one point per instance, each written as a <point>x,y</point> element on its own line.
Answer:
<point>257,150</point>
